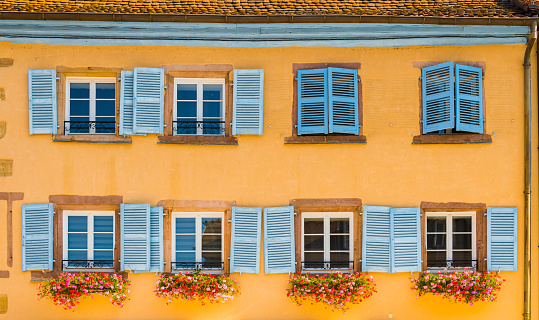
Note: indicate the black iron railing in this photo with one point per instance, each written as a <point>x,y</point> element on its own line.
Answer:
<point>80,127</point>
<point>88,264</point>
<point>327,265</point>
<point>452,264</point>
<point>208,127</point>
<point>198,265</point>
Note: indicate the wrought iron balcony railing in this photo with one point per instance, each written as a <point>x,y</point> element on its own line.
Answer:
<point>89,127</point>
<point>206,127</point>
<point>88,264</point>
<point>327,265</point>
<point>198,265</point>
<point>452,264</point>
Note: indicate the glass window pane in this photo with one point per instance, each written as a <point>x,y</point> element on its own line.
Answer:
<point>79,108</point>
<point>314,243</point>
<point>186,126</point>
<point>185,225</point>
<point>313,225</point>
<point>79,91</point>
<point>212,91</point>
<point>462,241</point>
<point>105,108</point>
<point>313,260</point>
<point>105,91</point>
<point>186,109</point>
<point>211,243</point>
<point>436,224</point>
<point>77,224</point>
<point>104,255</point>
<point>103,224</point>
<point>185,257</point>
<point>187,92</point>
<point>462,224</point>
<point>211,225</point>
<point>212,257</point>
<point>462,257</point>
<point>340,260</point>
<point>105,125</point>
<point>214,127</point>
<point>436,241</point>
<point>436,259</point>
<point>78,125</point>
<point>77,255</point>
<point>185,242</point>
<point>103,241</point>
<point>339,242</point>
<point>339,225</point>
<point>211,109</point>
<point>77,241</point>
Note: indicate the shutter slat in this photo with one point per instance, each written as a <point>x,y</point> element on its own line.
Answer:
<point>406,244</point>
<point>148,100</point>
<point>469,98</point>
<point>135,237</point>
<point>376,239</point>
<point>248,101</point>
<point>438,97</point>
<point>156,239</point>
<point>42,103</point>
<point>312,101</point>
<point>37,237</point>
<point>343,101</point>
<point>502,238</point>
<point>279,252</point>
<point>245,240</point>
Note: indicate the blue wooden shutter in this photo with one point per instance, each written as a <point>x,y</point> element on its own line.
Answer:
<point>37,237</point>
<point>135,237</point>
<point>42,101</point>
<point>438,89</point>
<point>312,101</point>
<point>469,98</point>
<point>148,100</point>
<point>156,239</point>
<point>126,103</point>
<point>502,239</point>
<point>279,252</point>
<point>343,101</point>
<point>406,240</point>
<point>376,239</point>
<point>245,238</point>
<point>248,101</point>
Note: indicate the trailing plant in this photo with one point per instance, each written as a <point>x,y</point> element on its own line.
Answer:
<point>67,289</point>
<point>336,290</point>
<point>467,287</point>
<point>196,286</point>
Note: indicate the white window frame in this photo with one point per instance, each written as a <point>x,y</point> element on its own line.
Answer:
<point>92,81</point>
<point>200,82</point>
<point>90,238</point>
<point>449,234</point>
<point>198,236</point>
<point>327,216</point>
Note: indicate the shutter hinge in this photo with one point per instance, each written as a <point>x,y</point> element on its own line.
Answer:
<point>53,260</point>
<point>296,126</point>
<point>420,78</point>
<point>119,79</point>
<point>361,213</point>
<point>420,121</point>
<point>57,127</point>
<point>164,214</point>
<point>228,258</point>
<point>230,221</point>
<point>297,79</point>
<point>358,79</point>
<point>231,83</point>
<point>295,262</point>
<point>295,213</point>
<point>483,77</point>
<point>485,259</point>
<point>360,260</point>
<point>485,214</point>
<point>165,87</point>
<point>231,124</point>
<point>359,126</point>
<point>164,126</point>
<point>57,78</point>
<point>484,119</point>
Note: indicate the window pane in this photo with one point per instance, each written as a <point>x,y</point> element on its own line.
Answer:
<point>185,242</point>
<point>79,108</point>
<point>462,256</point>
<point>313,226</point>
<point>186,126</point>
<point>436,224</point>
<point>105,91</point>
<point>105,125</point>
<point>105,108</point>
<point>185,225</point>
<point>103,224</point>
<point>77,255</point>
<point>103,241</point>
<point>212,91</point>
<point>187,92</point>
<point>462,241</point>
<point>210,257</point>
<point>77,241</point>
<point>211,242</point>
<point>313,259</point>
<point>340,259</point>
<point>78,125</point>
<point>187,109</point>
<point>314,243</point>
<point>462,224</point>
<point>339,242</point>
<point>339,225</point>
<point>436,259</point>
<point>214,127</point>
<point>104,255</point>
<point>185,257</point>
<point>79,91</point>
<point>211,109</point>
<point>436,241</point>
<point>211,225</point>
<point>77,224</point>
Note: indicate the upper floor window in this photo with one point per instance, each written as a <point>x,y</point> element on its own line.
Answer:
<point>90,106</point>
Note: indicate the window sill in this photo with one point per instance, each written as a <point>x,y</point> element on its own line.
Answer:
<point>92,139</point>
<point>38,276</point>
<point>325,139</point>
<point>199,140</point>
<point>452,138</point>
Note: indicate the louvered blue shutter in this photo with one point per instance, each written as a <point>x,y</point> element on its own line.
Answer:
<point>406,240</point>
<point>245,238</point>
<point>438,90</point>
<point>42,101</point>
<point>37,237</point>
<point>376,239</point>
<point>279,252</point>
<point>502,239</point>
<point>126,103</point>
<point>135,237</point>
<point>148,100</point>
<point>312,101</point>
<point>156,239</point>
<point>343,101</point>
<point>469,98</point>
<point>248,101</point>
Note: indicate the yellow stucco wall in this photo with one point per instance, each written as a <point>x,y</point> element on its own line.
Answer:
<point>262,171</point>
